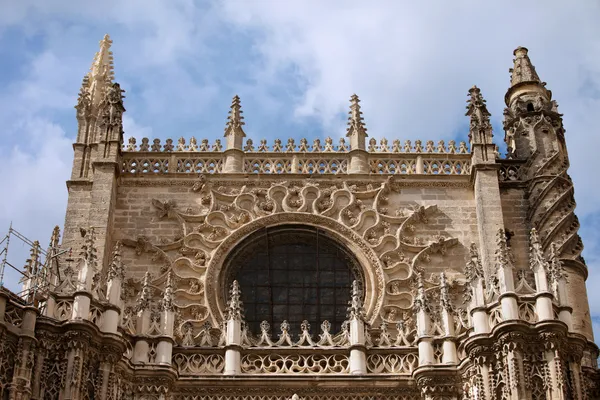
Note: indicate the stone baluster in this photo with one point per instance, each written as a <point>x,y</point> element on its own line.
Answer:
<point>477,307</point>
<point>559,287</point>
<point>357,132</point>
<point>234,134</point>
<point>505,274</point>
<point>449,346</point>
<point>140,351</point>
<point>164,348</point>
<point>356,315</point>
<point>539,265</point>
<point>234,315</point>
<point>114,282</point>
<point>424,338</point>
<point>83,293</point>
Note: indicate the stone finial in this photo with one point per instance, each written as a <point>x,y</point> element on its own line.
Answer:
<point>116,269</point>
<point>555,268</point>
<point>473,269</point>
<point>235,309</point>
<point>355,309</point>
<point>54,239</point>
<point>88,250</point>
<point>444,293</point>
<point>421,302</point>
<point>503,257</point>
<point>357,132</point>
<point>536,254</point>
<point>167,301</point>
<point>480,128</point>
<point>523,70</point>
<point>98,79</point>
<point>233,129</point>
<point>143,302</point>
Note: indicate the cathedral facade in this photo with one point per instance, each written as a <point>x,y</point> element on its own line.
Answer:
<point>360,269</point>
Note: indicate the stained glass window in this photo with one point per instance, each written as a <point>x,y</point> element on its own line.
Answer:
<point>293,273</point>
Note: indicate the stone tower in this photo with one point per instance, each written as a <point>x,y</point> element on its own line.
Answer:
<point>314,270</point>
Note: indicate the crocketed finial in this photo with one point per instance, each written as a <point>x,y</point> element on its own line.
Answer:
<point>444,293</point>
<point>356,124</point>
<point>235,119</point>
<point>421,303</point>
<point>536,254</point>
<point>523,70</point>
<point>503,258</point>
<point>473,269</point>
<point>88,250</point>
<point>115,268</point>
<point>143,302</point>
<point>355,309</point>
<point>480,128</point>
<point>167,302</point>
<point>235,308</point>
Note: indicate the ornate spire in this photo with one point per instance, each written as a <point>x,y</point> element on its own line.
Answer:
<point>235,119</point>
<point>355,309</point>
<point>503,257</point>
<point>421,302</point>
<point>444,293</point>
<point>523,71</point>
<point>356,123</point>
<point>101,76</point>
<point>88,250</point>
<point>54,239</point>
<point>115,268</point>
<point>167,302</point>
<point>480,130</point>
<point>235,309</point>
<point>143,302</point>
<point>473,269</point>
<point>536,254</point>
<point>555,267</point>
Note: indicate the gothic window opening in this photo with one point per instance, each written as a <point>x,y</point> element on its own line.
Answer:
<point>293,273</point>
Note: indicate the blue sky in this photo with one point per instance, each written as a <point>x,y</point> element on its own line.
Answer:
<point>294,65</point>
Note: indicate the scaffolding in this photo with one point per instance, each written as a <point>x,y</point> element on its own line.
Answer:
<point>41,272</point>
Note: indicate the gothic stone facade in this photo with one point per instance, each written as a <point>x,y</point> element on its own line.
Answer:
<point>473,286</point>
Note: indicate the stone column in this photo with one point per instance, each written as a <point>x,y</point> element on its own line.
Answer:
<point>358,356</point>
<point>477,307</point>
<point>116,274</point>
<point>233,342</point>
<point>543,297</point>
<point>164,349</point>
<point>21,384</point>
<point>140,350</point>
<point>449,355</point>
<point>504,265</point>
<point>424,339</point>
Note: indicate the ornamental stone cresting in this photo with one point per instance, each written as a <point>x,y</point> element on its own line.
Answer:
<point>425,270</point>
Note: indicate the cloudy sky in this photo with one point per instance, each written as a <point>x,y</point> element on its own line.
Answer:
<point>294,65</point>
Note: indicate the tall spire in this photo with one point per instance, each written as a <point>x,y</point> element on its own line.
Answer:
<point>480,130</point>
<point>100,76</point>
<point>523,71</point>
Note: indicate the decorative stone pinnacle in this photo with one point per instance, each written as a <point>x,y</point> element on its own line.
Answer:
<point>503,258</point>
<point>421,302</point>
<point>102,66</point>
<point>167,302</point>
<point>444,293</point>
<point>116,269</point>
<point>34,260</point>
<point>473,269</point>
<point>479,115</point>
<point>235,309</point>
<point>356,309</point>
<point>144,300</point>
<point>356,125</point>
<point>555,266</point>
<point>523,70</point>
<point>88,250</point>
<point>235,119</point>
<point>54,239</point>
<point>536,254</point>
